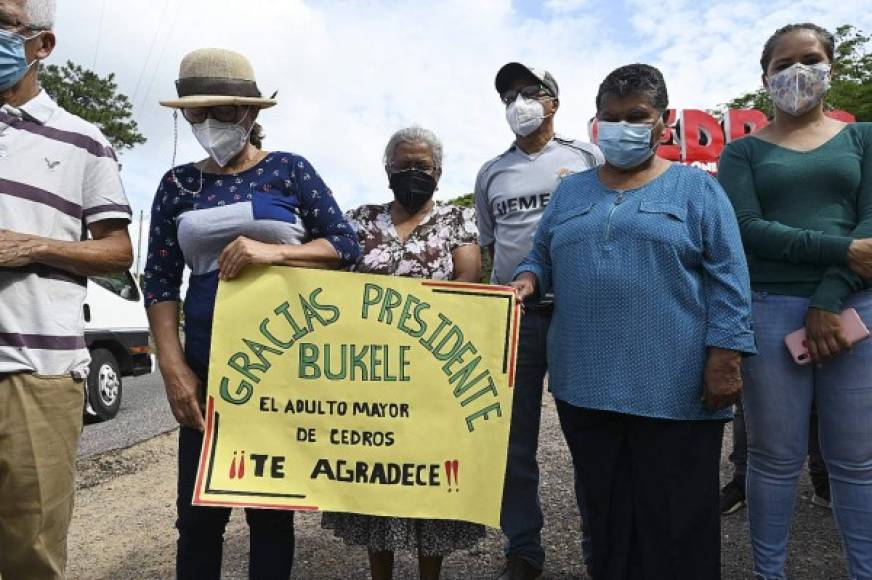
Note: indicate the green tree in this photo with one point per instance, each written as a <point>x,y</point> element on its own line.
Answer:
<point>851,88</point>
<point>465,200</point>
<point>94,98</point>
<point>852,83</point>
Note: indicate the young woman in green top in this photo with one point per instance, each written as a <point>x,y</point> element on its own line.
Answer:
<point>802,191</point>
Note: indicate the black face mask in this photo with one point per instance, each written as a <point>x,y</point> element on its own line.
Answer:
<point>413,188</point>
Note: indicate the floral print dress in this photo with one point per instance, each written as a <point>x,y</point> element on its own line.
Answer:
<point>426,253</point>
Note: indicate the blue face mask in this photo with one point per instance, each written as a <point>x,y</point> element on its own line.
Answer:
<point>13,62</point>
<point>625,145</point>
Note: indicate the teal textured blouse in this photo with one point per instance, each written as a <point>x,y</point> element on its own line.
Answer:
<point>644,281</point>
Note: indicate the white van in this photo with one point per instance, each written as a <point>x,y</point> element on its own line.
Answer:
<point>116,332</point>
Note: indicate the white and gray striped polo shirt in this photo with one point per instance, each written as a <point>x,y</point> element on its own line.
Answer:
<point>58,174</point>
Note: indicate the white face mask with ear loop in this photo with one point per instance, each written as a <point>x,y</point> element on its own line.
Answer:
<point>222,141</point>
<point>525,116</point>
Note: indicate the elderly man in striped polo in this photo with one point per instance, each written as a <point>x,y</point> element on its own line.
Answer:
<point>58,177</point>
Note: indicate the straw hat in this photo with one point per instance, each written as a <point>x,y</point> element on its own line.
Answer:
<point>209,77</point>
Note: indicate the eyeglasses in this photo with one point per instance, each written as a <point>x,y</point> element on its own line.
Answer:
<point>19,29</point>
<point>528,92</point>
<point>17,26</point>
<point>401,167</point>
<point>223,113</point>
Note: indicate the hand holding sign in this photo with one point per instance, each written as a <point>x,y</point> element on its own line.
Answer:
<point>524,285</point>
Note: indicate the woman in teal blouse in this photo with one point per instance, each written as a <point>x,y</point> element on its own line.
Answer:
<point>802,191</point>
<point>652,309</point>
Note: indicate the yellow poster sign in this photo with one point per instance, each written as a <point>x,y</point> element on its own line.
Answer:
<point>357,393</point>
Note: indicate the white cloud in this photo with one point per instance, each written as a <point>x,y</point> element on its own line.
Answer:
<point>709,51</point>
<point>350,73</point>
<point>565,5</point>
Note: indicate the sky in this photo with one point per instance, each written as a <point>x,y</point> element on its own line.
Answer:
<point>350,73</point>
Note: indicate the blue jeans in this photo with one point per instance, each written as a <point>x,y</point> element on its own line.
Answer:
<point>778,400</point>
<point>817,469</point>
<point>521,517</point>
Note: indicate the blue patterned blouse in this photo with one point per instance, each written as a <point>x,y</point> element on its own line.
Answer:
<point>280,200</point>
<point>644,281</point>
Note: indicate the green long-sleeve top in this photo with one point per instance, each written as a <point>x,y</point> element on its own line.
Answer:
<point>798,212</point>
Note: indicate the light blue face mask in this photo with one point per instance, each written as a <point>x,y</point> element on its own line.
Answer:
<point>625,145</point>
<point>13,62</point>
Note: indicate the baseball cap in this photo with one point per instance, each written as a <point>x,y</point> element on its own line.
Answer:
<point>513,70</point>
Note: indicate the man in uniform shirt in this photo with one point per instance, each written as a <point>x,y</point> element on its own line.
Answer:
<point>58,177</point>
<point>511,193</point>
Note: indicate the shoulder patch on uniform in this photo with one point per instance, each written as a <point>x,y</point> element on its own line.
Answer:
<point>577,145</point>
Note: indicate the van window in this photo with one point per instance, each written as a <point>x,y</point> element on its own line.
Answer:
<point>120,284</point>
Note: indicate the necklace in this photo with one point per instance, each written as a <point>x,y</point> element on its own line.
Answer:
<point>178,183</point>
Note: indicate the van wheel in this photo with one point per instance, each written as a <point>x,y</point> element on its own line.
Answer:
<point>104,384</point>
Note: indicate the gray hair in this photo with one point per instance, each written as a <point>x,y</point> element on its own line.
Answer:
<point>40,13</point>
<point>414,135</point>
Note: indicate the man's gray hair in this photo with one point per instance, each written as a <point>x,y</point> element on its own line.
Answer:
<point>414,135</point>
<point>40,13</point>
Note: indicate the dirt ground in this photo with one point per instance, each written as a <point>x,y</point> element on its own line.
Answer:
<point>123,526</point>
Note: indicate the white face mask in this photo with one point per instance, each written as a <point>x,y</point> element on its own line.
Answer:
<point>222,141</point>
<point>525,116</point>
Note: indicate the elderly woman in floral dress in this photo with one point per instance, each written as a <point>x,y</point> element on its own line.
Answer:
<point>412,236</point>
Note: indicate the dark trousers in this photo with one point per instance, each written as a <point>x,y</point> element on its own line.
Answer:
<point>739,454</point>
<point>201,529</point>
<point>651,491</point>
<point>521,519</point>
<point>817,469</point>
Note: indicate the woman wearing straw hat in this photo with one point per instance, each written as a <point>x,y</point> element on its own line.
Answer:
<point>240,206</point>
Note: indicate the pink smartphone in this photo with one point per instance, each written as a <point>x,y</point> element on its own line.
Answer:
<point>852,326</point>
